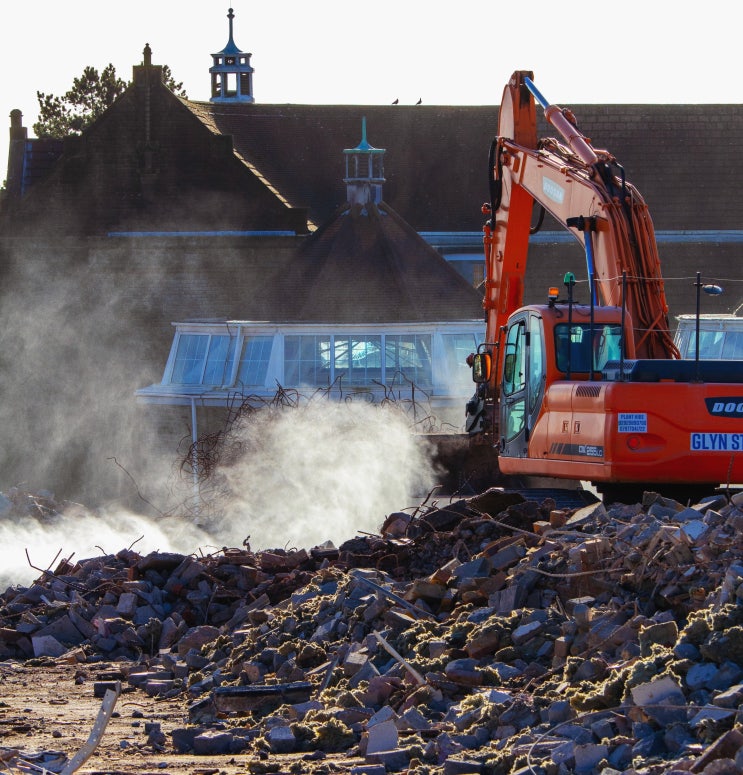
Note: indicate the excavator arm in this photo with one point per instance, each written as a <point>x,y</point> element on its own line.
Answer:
<point>585,190</point>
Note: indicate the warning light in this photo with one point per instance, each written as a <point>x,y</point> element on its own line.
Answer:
<point>553,293</point>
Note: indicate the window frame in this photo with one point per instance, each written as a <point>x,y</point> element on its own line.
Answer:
<point>210,340</point>
<point>424,354</point>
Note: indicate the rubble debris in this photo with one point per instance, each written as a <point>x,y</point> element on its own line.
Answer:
<point>494,634</point>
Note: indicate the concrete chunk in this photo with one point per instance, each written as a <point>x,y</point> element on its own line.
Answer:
<point>662,700</point>
<point>281,739</point>
<point>701,675</point>
<point>525,632</point>
<point>212,743</point>
<point>710,713</point>
<point>589,755</point>
<point>462,767</point>
<point>385,713</point>
<point>395,760</point>
<point>473,569</point>
<point>354,662</point>
<point>365,673</point>
<point>127,604</point>
<point>196,637</point>
<point>47,646</point>
<point>730,698</point>
<point>63,630</point>
<point>381,737</point>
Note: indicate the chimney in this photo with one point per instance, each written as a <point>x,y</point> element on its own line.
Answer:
<point>16,155</point>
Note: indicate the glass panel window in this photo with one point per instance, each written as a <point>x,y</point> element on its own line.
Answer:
<point>514,380</point>
<point>456,348</point>
<point>408,355</point>
<point>536,361</point>
<point>358,359</point>
<point>733,347</point>
<point>607,345</point>
<point>710,344</point>
<point>253,365</point>
<point>189,359</point>
<point>581,350</point>
<point>306,360</point>
<point>202,359</point>
<point>514,377</point>
<point>219,360</point>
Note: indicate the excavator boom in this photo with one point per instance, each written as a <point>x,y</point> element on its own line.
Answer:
<point>585,190</point>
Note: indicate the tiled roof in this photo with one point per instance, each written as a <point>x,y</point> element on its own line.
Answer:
<point>686,160</point>
<point>436,178</point>
<point>366,264</point>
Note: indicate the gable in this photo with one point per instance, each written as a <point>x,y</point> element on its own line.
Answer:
<point>147,164</point>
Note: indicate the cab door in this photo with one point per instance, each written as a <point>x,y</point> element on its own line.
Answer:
<point>522,383</point>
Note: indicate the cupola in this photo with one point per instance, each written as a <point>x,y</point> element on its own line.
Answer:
<point>364,171</point>
<point>232,75</point>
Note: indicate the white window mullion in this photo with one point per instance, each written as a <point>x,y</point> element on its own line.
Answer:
<point>170,365</point>
<point>236,356</point>
<point>383,370</point>
<point>332,358</point>
<point>206,358</point>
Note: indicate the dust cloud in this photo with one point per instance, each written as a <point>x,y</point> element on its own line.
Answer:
<point>80,335</point>
<point>71,357</point>
<point>314,473</point>
<point>320,472</point>
<point>28,545</point>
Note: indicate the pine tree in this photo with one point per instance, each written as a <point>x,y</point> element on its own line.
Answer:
<point>91,94</point>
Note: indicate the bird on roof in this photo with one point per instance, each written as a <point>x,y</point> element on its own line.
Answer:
<point>420,99</point>
<point>394,102</point>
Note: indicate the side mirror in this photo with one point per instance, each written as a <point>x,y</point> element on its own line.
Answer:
<point>481,366</point>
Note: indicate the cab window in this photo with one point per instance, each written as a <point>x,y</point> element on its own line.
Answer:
<point>579,346</point>
<point>513,360</point>
<point>536,361</point>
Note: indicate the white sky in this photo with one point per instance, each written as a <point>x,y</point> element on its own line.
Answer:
<point>346,52</point>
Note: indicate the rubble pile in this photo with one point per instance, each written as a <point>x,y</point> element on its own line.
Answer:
<point>494,634</point>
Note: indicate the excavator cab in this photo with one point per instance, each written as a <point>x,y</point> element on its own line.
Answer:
<point>548,344</point>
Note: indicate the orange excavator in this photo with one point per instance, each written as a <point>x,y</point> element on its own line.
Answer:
<point>592,391</point>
